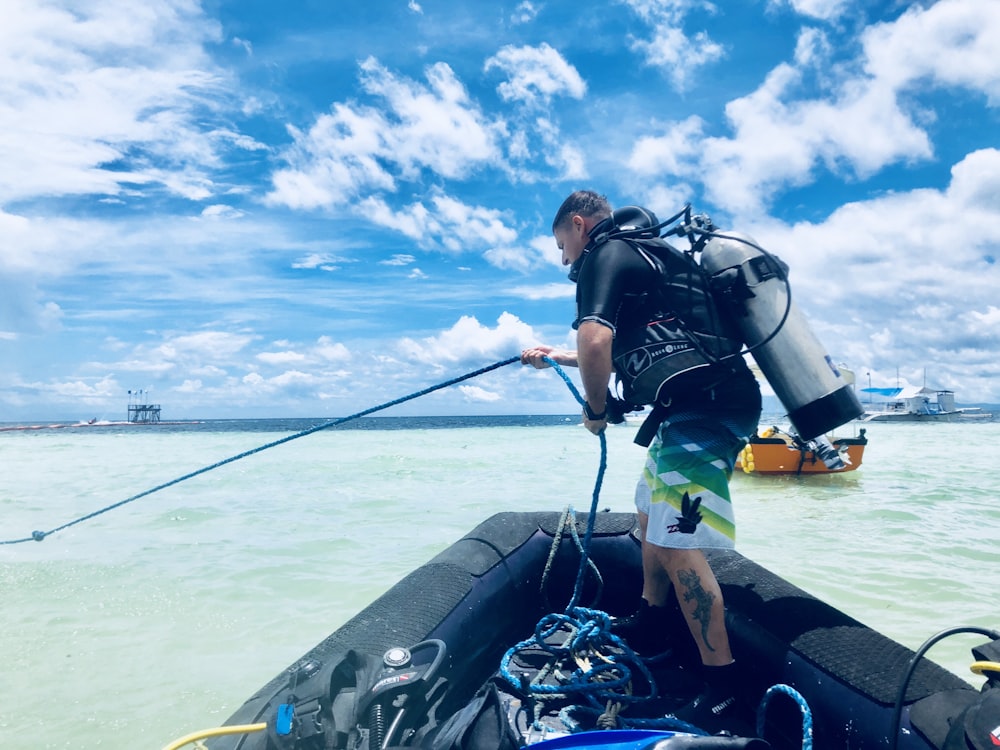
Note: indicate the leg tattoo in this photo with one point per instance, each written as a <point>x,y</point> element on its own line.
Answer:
<point>693,590</point>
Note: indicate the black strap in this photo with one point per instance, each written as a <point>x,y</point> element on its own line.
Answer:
<point>647,430</point>
<point>592,415</point>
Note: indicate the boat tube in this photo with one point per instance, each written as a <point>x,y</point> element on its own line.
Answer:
<point>430,663</point>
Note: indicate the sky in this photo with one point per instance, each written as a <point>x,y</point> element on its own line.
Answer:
<point>247,209</point>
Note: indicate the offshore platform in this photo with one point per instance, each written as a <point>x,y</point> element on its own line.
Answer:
<point>141,412</point>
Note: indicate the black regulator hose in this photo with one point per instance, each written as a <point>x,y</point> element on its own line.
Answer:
<point>897,711</point>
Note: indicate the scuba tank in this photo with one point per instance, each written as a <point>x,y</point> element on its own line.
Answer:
<point>753,286</point>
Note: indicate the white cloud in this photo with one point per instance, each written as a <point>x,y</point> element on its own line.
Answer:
<point>468,340</point>
<point>864,121</point>
<point>82,391</point>
<point>126,88</point>
<point>673,151</point>
<point>437,126</point>
<point>546,248</point>
<point>314,357</point>
<point>475,393</point>
<point>357,149</point>
<point>546,291</point>
<point>400,259</point>
<point>221,211</point>
<point>678,54</point>
<point>337,158</point>
<point>990,317</point>
<point>535,74</point>
<point>139,364</point>
<point>569,160</point>
<point>244,44</point>
<point>291,383</point>
<point>669,47</point>
<point>281,358</point>
<point>210,344</point>
<point>949,43</point>
<point>513,258</point>
<point>329,350</point>
<point>189,386</point>
<point>823,10</point>
<point>447,224</point>
<point>539,252</point>
<point>322,261</point>
<point>525,12</point>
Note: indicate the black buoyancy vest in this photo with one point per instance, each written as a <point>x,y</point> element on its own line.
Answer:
<point>673,329</point>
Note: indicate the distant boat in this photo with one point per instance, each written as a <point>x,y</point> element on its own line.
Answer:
<point>775,451</point>
<point>913,404</point>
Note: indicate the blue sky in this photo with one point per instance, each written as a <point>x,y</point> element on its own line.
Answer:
<point>253,209</point>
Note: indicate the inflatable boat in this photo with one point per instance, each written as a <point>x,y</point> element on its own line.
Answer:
<point>502,641</point>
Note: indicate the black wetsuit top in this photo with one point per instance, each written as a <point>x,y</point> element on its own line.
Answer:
<point>619,288</point>
<point>612,280</point>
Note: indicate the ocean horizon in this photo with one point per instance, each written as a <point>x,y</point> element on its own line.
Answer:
<point>772,413</point>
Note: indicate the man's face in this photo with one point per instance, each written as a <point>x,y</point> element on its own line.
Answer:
<point>571,238</point>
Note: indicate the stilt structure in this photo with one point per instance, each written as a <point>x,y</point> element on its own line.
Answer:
<point>140,412</point>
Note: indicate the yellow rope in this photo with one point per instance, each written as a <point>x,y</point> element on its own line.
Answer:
<point>983,667</point>
<point>216,732</point>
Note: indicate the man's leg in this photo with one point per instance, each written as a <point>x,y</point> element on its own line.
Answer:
<point>656,583</point>
<point>700,599</point>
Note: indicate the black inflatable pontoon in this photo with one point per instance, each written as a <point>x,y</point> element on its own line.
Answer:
<point>430,663</point>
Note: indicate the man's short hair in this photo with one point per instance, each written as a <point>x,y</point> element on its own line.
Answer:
<point>585,203</point>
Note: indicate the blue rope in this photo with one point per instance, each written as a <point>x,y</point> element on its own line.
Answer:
<point>807,721</point>
<point>589,630</point>
<point>578,587</point>
<point>38,536</point>
<point>607,680</point>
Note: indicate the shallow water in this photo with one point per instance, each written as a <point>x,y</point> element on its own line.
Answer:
<point>161,616</point>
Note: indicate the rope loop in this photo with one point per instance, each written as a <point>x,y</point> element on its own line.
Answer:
<point>800,701</point>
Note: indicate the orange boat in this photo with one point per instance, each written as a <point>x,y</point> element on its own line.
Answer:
<point>773,451</point>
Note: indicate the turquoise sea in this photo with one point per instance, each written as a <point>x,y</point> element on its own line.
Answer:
<point>159,617</point>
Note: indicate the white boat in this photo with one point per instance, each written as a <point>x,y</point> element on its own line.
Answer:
<point>913,404</point>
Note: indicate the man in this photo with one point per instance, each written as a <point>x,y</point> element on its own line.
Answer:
<point>708,401</point>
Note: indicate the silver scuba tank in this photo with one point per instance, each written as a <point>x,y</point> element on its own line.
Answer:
<point>752,284</point>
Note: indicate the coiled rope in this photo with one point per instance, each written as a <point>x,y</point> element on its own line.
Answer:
<point>39,536</point>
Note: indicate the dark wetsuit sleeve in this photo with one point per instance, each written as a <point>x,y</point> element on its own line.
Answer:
<point>609,273</point>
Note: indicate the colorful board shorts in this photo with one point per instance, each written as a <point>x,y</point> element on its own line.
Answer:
<point>692,457</point>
